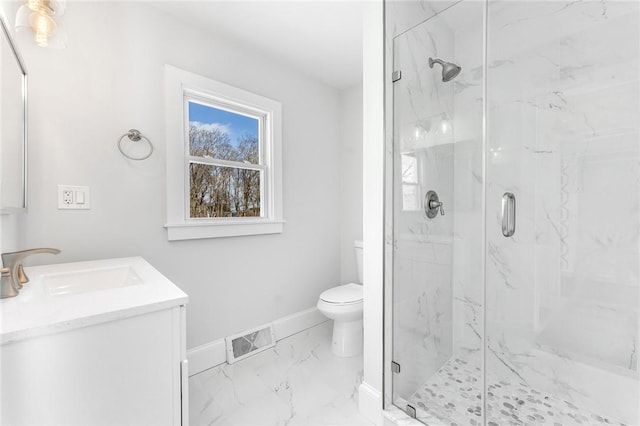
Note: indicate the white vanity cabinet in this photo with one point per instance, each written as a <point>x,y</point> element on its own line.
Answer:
<point>123,365</point>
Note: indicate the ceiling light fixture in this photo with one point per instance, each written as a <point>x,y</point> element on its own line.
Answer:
<point>43,18</point>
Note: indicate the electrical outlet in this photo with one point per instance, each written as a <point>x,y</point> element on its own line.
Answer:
<point>67,197</point>
<point>72,197</point>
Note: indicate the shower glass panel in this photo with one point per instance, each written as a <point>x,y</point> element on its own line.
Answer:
<point>562,294</point>
<point>437,262</point>
<point>540,327</point>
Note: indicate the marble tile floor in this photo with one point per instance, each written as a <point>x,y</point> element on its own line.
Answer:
<point>299,382</point>
<point>452,397</point>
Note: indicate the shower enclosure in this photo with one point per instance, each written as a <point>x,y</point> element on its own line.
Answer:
<point>513,222</point>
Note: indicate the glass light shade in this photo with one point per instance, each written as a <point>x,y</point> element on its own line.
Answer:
<point>43,26</point>
<point>51,7</point>
<point>59,40</point>
<point>58,7</point>
<point>35,5</point>
<point>48,32</point>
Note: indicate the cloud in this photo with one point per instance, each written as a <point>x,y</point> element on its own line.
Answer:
<point>223,128</point>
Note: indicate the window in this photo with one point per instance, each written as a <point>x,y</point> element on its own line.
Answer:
<point>410,184</point>
<point>225,167</point>
<point>224,174</point>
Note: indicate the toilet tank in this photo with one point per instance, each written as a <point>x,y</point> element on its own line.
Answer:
<point>358,246</point>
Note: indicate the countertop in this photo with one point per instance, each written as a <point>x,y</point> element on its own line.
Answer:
<point>35,313</point>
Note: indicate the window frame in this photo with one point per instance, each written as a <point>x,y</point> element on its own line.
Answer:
<point>181,87</point>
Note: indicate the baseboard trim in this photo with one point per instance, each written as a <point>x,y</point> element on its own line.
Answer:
<point>213,353</point>
<point>370,403</point>
<point>206,356</point>
<point>295,323</point>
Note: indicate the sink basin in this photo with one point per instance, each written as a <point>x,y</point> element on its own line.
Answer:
<point>67,296</point>
<point>90,280</point>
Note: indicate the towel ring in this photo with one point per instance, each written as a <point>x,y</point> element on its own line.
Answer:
<point>135,136</point>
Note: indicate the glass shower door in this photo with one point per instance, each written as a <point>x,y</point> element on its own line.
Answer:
<point>562,292</point>
<point>437,262</point>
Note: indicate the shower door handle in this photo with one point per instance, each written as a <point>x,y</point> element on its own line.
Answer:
<point>508,214</point>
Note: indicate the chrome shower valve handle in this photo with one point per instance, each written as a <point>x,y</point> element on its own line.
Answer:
<point>436,205</point>
<point>432,204</point>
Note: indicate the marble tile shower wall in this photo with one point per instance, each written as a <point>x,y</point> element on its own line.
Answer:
<point>423,247</point>
<point>562,294</point>
<point>468,181</point>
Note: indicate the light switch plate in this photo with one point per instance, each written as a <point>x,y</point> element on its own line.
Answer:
<point>73,197</point>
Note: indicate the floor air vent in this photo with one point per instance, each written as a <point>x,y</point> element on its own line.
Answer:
<point>249,343</point>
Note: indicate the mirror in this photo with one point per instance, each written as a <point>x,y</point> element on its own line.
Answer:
<point>13,126</point>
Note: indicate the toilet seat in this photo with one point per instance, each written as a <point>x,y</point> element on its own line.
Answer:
<point>347,294</point>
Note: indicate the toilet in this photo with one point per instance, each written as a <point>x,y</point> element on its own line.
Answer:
<point>343,304</point>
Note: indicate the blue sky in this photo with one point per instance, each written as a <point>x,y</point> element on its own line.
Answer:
<point>235,125</point>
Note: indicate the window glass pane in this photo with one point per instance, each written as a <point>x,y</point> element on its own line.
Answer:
<point>222,134</point>
<point>410,188</point>
<point>409,169</point>
<point>218,191</point>
<point>410,197</point>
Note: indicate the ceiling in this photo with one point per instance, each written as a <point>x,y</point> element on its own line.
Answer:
<point>322,39</point>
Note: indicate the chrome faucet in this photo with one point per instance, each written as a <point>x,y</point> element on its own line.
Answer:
<point>13,275</point>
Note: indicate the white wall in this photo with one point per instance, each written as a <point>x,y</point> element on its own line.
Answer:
<point>350,179</point>
<point>108,81</point>
<point>9,240</point>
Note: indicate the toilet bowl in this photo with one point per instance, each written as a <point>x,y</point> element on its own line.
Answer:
<point>343,304</point>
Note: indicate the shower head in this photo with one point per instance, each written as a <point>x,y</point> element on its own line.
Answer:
<point>449,70</point>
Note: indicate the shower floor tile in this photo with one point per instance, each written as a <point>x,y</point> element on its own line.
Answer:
<point>453,397</point>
